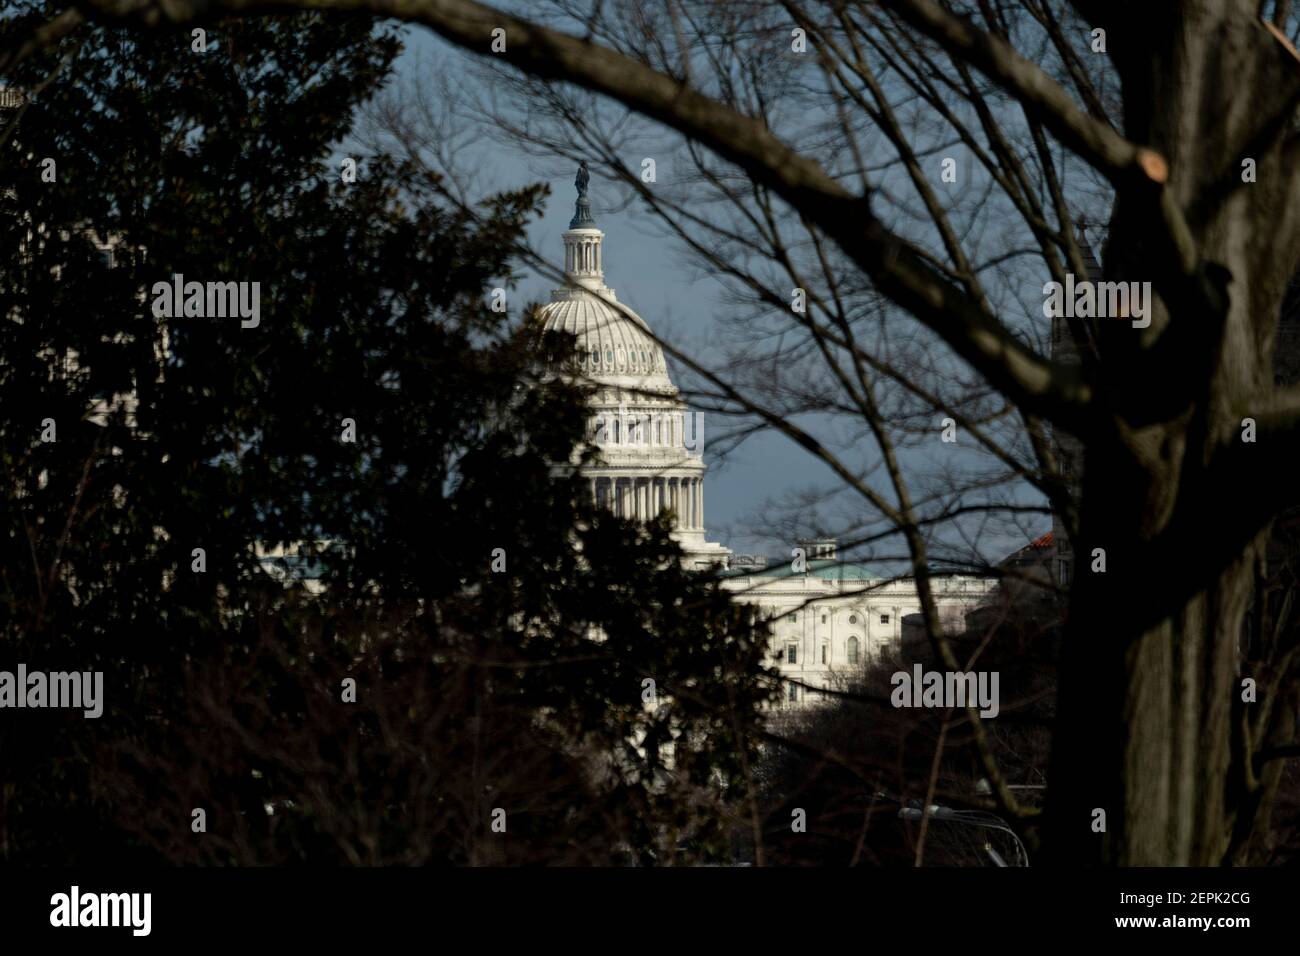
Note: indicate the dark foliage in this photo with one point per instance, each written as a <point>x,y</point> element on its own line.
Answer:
<point>519,687</point>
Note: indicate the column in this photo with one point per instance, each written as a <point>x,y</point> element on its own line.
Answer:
<point>699,501</point>
<point>594,499</point>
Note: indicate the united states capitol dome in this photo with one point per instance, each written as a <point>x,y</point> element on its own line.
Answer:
<point>649,445</point>
<point>614,344</point>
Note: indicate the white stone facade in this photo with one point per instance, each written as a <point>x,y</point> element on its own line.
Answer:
<point>832,617</point>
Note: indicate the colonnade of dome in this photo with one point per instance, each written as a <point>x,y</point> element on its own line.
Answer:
<point>643,497</point>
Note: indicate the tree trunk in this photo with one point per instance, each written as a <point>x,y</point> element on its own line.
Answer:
<point>1150,715</point>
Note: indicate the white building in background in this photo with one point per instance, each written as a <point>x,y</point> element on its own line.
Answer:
<point>828,615</point>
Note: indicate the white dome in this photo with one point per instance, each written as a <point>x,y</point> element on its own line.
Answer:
<point>613,343</point>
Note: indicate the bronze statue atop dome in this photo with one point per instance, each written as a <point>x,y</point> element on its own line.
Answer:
<point>582,208</point>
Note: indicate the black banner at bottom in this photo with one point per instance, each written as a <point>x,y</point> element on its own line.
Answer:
<point>527,905</point>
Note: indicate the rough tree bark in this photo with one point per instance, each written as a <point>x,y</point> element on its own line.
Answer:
<point>1151,700</point>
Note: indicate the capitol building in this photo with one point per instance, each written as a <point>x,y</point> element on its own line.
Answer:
<point>828,616</point>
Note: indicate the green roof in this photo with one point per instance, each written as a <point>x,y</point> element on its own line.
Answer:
<point>822,569</point>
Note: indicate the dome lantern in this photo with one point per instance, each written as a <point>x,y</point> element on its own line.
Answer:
<point>583,265</point>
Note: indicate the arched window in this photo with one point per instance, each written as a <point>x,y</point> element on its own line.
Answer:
<point>853,650</point>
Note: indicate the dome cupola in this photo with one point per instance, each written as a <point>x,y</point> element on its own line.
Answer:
<point>614,344</point>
